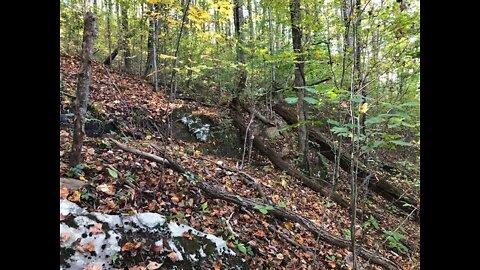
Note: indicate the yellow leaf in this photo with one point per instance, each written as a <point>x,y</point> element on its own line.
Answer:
<point>283,182</point>
<point>288,225</point>
<point>148,137</point>
<point>364,108</point>
<point>75,197</point>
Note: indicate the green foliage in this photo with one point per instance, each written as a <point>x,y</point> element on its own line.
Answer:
<point>204,207</point>
<point>113,173</point>
<point>394,239</point>
<point>264,209</point>
<point>76,171</point>
<point>371,222</point>
<point>240,246</point>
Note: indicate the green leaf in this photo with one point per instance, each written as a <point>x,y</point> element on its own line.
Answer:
<point>338,130</point>
<point>357,98</point>
<point>242,248</point>
<point>311,90</point>
<point>291,100</point>
<point>311,100</point>
<point>331,257</point>
<point>113,173</point>
<point>282,204</point>
<point>333,122</point>
<point>374,120</point>
<point>402,143</point>
<point>204,206</point>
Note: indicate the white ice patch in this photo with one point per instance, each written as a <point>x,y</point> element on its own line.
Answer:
<point>150,220</point>
<point>178,230</point>
<point>68,207</point>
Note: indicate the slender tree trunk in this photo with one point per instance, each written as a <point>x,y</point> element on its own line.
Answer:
<point>154,53</point>
<point>141,26</point>
<point>358,63</point>
<point>125,37</point>
<point>241,59</point>
<point>251,25</point>
<point>299,82</point>
<point>347,40</point>
<point>83,85</point>
<point>271,40</point>
<point>109,30</point>
<point>173,81</point>
<point>151,44</point>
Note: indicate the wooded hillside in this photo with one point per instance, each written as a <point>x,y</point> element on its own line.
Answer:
<point>288,128</point>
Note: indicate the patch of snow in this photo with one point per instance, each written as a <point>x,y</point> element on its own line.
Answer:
<point>174,248</point>
<point>68,207</point>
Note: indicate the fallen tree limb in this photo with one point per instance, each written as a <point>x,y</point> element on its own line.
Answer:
<point>279,212</point>
<point>320,186</point>
<point>379,186</point>
<point>266,149</point>
<point>248,179</point>
<point>308,224</point>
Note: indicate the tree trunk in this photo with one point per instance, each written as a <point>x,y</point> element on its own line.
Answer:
<point>299,83</point>
<point>241,59</point>
<point>125,38</point>
<point>152,32</point>
<point>83,86</point>
<point>108,61</point>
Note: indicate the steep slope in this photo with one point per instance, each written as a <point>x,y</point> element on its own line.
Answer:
<point>123,183</point>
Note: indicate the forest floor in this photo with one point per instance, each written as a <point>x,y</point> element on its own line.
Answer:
<point>120,182</point>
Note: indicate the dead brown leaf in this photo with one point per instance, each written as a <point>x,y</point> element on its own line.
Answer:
<point>65,236</point>
<point>153,265</point>
<point>259,234</point>
<point>96,228</point>
<point>93,266</point>
<point>107,189</point>
<point>218,265</point>
<point>64,192</point>
<point>173,256</point>
<point>187,235</point>
<point>129,246</point>
<point>90,246</point>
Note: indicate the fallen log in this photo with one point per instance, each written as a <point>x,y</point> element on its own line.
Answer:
<point>379,186</point>
<point>279,212</point>
<point>318,185</point>
<point>308,224</point>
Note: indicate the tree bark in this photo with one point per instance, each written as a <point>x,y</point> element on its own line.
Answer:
<point>108,61</point>
<point>299,82</point>
<point>152,32</point>
<point>83,86</point>
<point>241,58</point>
<point>125,36</point>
